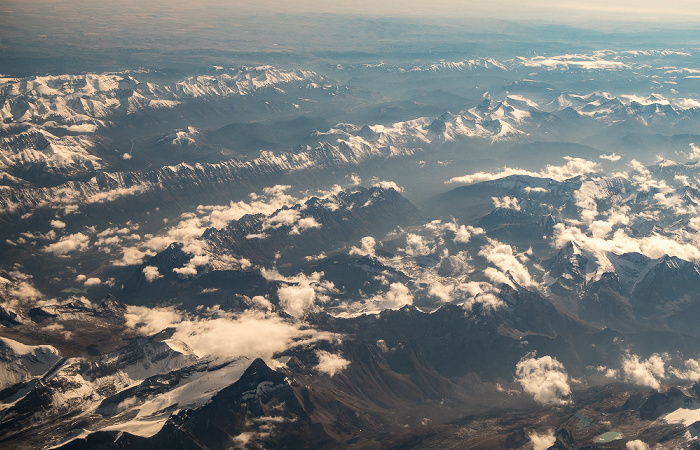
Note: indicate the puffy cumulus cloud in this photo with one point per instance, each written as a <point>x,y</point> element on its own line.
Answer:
<point>80,278</point>
<point>416,246</point>
<point>482,294</point>
<point>636,445</point>
<point>367,245</point>
<point>398,295</point>
<point>644,372</point>
<point>645,180</point>
<point>133,256</point>
<point>151,273</point>
<point>694,153</point>
<point>608,372</point>
<point>611,157</point>
<point>387,185</point>
<point>441,291</point>
<point>20,292</point>
<point>305,223</point>
<point>149,321</point>
<point>544,378</point>
<point>198,259</point>
<point>600,229</point>
<point>691,371</point>
<point>290,218</point>
<point>58,224</point>
<point>542,441</point>
<point>506,202</point>
<point>74,242</point>
<point>297,300</point>
<point>92,281</point>
<point>329,363</point>
<point>300,294</point>
<point>507,263</point>
<point>284,217</point>
<point>573,167</point>
<point>191,225</point>
<point>461,234</point>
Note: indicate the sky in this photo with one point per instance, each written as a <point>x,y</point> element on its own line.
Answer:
<point>559,11</point>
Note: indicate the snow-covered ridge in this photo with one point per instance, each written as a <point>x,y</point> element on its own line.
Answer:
<point>20,362</point>
<point>107,187</point>
<point>82,102</point>
<point>591,61</point>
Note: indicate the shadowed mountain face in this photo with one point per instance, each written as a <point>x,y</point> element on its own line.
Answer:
<point>486,241</point>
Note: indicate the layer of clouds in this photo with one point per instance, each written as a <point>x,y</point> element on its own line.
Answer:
<point>544,378</point>
<point>253,334</point>
<point>572,168</point>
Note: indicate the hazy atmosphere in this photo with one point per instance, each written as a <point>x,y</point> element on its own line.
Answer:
<point>349,225</point>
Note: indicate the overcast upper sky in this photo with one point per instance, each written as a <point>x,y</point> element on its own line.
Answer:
<point>566,11</point>
<point>548,10</point>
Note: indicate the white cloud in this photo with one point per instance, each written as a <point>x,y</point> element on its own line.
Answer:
<point>74,242</point>
<point>149,321</point>
<point>611,157</point>
<point>694,153</point>
<point>297,300</point>
<point>300,294</point>
<point>133,256</point>
<point>93,281</point>
<point>691,371</point>
<point>388,185</point>
<point>542,441</point>
<point>416,246</point>
<point>644,372</point>
<point>151,273</point>
<point>58,224</point>
<point>252,334</point>
<point>303,224</point>
<point>329,363</point>
<point>506,202</point>
<point>479,177</point>
<point>636,445</point>
<point>367,245</point>
<point>572,168</point>
<point>502,256</point>
<point>544,378</point>
<point>481,293</point>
